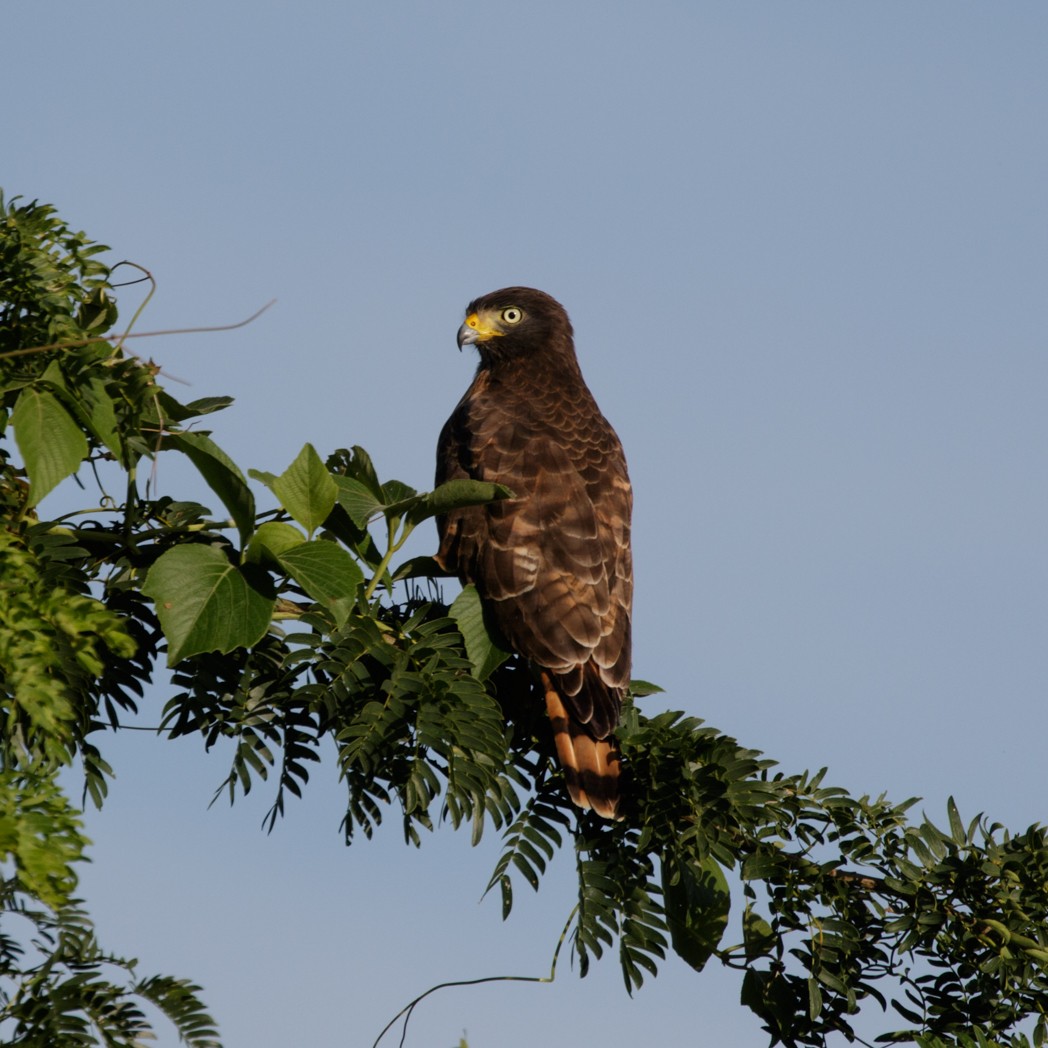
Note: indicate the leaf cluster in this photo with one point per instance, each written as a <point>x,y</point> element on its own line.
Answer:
<point>293,633</point>
<point>63,989</point>
<point>77,641</point>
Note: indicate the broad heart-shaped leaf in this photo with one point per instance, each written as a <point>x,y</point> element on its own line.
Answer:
<point>51,443</point>
<point>326,572</point>
<point>222,476</point>
<point>306,489</point>
<point>207,604</point>
<point>697,903</point>
<point>484,652</point>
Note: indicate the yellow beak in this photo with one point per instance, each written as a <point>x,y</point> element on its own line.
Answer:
<point>474,329</point>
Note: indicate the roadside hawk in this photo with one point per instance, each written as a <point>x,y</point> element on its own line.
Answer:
<point>552,565</point>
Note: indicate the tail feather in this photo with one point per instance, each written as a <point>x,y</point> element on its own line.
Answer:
<point>591,766</point>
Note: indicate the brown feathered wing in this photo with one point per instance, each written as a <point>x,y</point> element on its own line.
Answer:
<point>552,565</point>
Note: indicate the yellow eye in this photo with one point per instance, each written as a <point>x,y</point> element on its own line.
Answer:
<point>512,315</point>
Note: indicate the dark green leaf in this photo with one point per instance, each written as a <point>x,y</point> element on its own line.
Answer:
<point>485,653</point>
<point>357,499</point>
<point>207,405</point>
<point>455,494</point>
<point>102,417</point>
<point>205,603</point>
<point>757,933</point>
<point>420,568</point>
<point>814,998</point>
<point>221,475</point>
<point>326,572</point>
<point>697,904</point>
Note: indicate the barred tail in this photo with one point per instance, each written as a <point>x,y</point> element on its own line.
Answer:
<point>591,766</point>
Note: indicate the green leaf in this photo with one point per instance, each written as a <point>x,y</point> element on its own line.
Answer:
<point>306,489</point>
<point>395,499</point>
<point>270,540</point>
<point>396,492</point>
<point>51,443</point>
<point>263,475</point>
<point>359,466</point>
<point>424,567</point>
<point>757,934</point>
<point>326,572</point>
<point>171,410</point>
<point>89,404</point>
<point>485,653</point>
<point>455,494</point>
<point>222,476</point>
<point>357,499</point>
<point>40,834</point>
<point>814,997</point>
<point>697,904</point>
<point>207,405</point>
<point>101,418</point>
<point>640,688</point>
<point>207,604</point>
<point>956,825</point>
<point>178,999</point>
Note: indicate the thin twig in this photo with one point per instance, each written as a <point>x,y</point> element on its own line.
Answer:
<point>407,1010</point>
<point>142,305</point>
<point>71,342</point>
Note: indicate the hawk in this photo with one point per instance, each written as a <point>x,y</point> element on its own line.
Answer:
<point>552,565</point>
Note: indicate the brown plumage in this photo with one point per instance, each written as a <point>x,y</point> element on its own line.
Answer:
<point>553,564</point>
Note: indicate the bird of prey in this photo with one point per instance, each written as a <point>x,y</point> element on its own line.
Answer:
<point>552,564</point>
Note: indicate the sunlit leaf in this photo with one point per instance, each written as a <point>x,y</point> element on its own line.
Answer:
<point>270,540</point>
<point>306,489</point>
<point>51,443</point>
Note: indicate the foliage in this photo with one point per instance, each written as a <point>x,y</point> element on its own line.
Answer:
<point>75,648</point>
<point>295,629</point>
<point>65,993</point>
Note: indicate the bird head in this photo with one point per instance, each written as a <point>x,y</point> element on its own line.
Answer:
<point>515,321</point>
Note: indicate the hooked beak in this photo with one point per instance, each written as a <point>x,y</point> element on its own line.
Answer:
<point>467,335</point>
<point>477,329</point>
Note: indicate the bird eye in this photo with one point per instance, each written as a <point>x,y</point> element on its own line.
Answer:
<point>512,315</point>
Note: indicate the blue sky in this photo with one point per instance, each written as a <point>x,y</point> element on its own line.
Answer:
<point>805,250</point>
